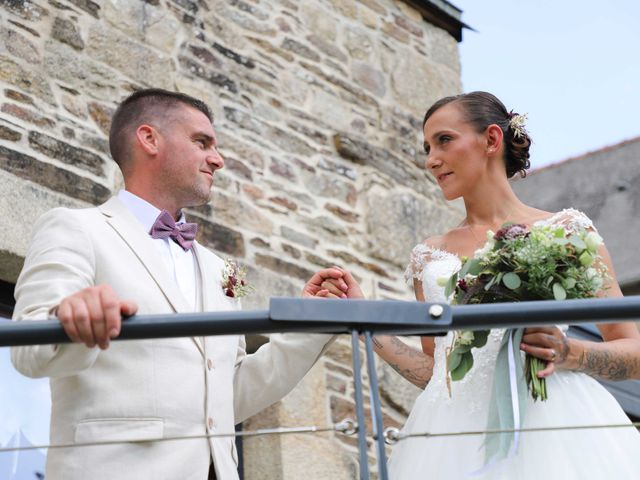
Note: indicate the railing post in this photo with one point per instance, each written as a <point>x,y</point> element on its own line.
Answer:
<point>359,398</point>
<point>376,407</point>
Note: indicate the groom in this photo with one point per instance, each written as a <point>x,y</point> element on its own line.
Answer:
<point>136,254</point>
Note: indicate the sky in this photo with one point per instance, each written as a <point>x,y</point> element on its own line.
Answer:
<point>572,65</point>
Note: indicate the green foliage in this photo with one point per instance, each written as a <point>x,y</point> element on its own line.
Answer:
<point>511,280</point>
<point>559,293</point>
<point>464,365</point>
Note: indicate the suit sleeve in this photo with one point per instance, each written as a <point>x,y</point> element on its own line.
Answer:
<point>60,261</point>
<point>267,375</point>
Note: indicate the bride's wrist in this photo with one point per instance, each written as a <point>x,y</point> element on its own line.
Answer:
<point>575,357</point>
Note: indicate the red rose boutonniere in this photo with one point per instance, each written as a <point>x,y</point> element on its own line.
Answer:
<point>233,280</point>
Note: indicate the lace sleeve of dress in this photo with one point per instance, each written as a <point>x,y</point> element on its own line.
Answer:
<point>420,256</point>
<point>571,220</point>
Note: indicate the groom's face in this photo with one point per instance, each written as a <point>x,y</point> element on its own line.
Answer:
<point>189,157</point>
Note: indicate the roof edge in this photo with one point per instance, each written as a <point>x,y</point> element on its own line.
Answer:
<point>604,149</point>
<point>443,14</point>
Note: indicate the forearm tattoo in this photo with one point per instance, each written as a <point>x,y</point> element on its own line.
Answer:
<point>608,365</point>
<point>412,364</point>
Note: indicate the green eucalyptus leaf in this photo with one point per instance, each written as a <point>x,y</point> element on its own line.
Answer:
<point>471,266</point>
<point>511,281</point>
<point>480,338</point>
<point>586,259</point>
<point>465,365</point>
<point>454,359</point>
<point>577,242</point>
<point>559,293</point>
<point>451,285</point>
<point>474,267</point>
<point>465,268</point>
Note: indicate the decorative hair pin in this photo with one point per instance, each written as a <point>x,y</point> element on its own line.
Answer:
<point>517,123</point>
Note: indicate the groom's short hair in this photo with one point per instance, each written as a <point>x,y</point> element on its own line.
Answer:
<point>145,106</point>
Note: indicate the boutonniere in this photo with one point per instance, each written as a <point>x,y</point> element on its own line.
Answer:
<point>234,284</point>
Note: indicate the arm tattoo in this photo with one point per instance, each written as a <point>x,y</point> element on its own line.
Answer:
<point>419,367</point>
<point>608,365</point>
<point>377,343</point>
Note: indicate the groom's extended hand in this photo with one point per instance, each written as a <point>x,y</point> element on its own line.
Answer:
<point>315,285</point>
<point>93,316</point>
<point>343,287</point>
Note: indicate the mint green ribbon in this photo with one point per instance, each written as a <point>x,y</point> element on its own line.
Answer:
<point>508,399</point>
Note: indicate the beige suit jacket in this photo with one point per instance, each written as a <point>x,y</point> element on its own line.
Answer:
<point>149,389</point>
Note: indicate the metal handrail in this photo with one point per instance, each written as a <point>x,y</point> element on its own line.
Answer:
<point>339,316</point>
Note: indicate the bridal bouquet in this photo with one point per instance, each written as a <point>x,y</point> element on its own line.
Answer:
<point>520,264</point>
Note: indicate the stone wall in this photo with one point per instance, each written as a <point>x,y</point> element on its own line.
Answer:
<point>318,108</point>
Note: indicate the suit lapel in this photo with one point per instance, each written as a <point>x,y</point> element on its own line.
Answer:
<point>130,230</point>
<point>213,298</point>
<point>200,298</point>
<point>209,282</point>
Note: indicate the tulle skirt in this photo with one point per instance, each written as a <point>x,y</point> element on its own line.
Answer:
<point>574,399</point>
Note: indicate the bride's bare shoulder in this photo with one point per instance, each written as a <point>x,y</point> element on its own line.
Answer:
<point>453,240</point>
<point>435,242</point>
<point>535,214</point>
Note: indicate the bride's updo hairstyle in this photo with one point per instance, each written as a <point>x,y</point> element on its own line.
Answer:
<point>482,109</point>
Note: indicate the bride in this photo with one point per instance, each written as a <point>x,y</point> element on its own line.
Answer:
<point>473,145</point>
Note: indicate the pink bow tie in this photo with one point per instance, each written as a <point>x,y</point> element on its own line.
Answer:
<point>165,227</point>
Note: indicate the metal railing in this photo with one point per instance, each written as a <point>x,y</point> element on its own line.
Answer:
<point>359,318</point>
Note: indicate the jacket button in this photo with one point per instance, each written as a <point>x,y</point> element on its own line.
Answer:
<point>209,364</point>
<point>210,423</point>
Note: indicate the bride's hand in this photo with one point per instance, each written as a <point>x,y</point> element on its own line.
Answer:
<point>314,287</point>
<point>343,287</point>
<point>547,343</point>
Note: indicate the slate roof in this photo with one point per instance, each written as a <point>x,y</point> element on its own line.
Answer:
<point>443,14</point>
<point>604,184</point>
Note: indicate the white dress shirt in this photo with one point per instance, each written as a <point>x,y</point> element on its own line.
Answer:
<point>180,263</point>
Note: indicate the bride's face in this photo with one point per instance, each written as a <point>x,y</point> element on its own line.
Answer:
<point>456,153</point>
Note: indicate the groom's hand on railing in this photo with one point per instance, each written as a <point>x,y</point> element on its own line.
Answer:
<point>93,316</point>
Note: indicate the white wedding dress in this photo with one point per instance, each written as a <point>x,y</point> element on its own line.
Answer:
<point>574,399</point>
